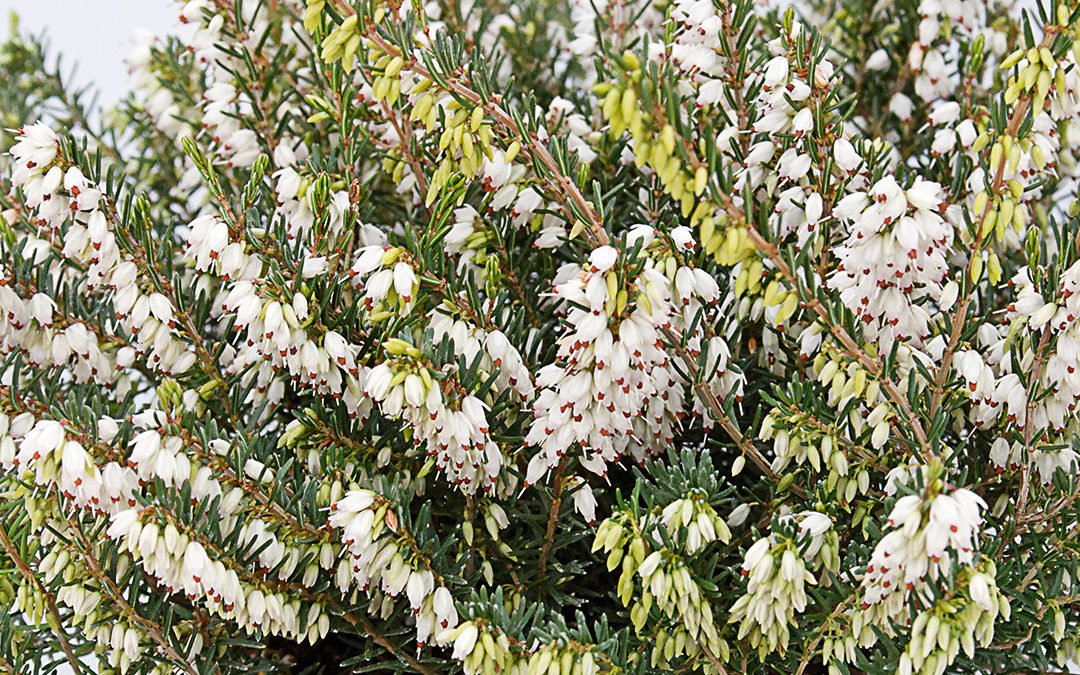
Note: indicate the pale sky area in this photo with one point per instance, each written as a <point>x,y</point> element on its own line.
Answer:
<point>95,34</point>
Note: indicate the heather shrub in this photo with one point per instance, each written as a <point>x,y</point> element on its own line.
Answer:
<point>554,336</point>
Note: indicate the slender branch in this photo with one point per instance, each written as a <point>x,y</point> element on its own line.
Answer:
<point>998,182</point>
<point>380,639</point>
<point>155,631</point>
<point>553,516</point>
<point>808,651</point>
<point>946,360</point>
<point>712,658</point>
<point>470,520</point>
<point>50,599</point>
<point>722,418</point>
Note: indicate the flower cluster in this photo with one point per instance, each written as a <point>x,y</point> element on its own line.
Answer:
<point>894,256</point>
<point>940,632</point>
<point>777,575</point>
<point>931,532</point>
<point>655,553</point>
<point>58,194</point>
<point>614,389</point>
<point>380,565</point>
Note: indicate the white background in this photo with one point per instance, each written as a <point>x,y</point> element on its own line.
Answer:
<point>94,34</point>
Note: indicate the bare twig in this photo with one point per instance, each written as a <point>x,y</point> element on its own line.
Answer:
<point>557,486</point>
<point>380,639</point>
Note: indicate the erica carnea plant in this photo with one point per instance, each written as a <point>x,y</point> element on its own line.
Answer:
<point>553,336</point>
